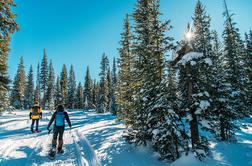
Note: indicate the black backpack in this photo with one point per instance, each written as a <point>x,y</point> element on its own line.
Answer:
<point>35,110</point>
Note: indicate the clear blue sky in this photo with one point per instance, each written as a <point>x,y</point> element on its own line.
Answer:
<point>78,31</point>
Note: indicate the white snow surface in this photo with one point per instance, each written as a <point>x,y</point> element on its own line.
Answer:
<point>96,139</point>
<point>190,57</point>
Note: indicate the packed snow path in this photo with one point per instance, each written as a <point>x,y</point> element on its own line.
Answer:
<point>20,147</point>
<point>96,139</point>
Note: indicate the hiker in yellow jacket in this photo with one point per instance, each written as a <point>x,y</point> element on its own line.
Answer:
<point>35,115</point>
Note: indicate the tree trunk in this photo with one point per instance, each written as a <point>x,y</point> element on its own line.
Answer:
<point>222,130</point>
<point>194,122</point>
<point>194,130</point>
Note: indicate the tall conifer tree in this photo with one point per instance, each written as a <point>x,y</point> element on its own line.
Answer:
<point>37,95</point>
<point>44,78</point>
<point>51,87</point>
<point>71,88</point>
<point>29,90</point>
<point>88,90</point>
<point>64,85</point>
<point>103,88</point>
<point>7,27</point>
<point>17,96</point>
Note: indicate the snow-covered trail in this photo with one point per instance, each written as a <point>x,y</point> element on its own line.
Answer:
<point>96,139</point>
<point>93,138</point>
<point>20,147</point>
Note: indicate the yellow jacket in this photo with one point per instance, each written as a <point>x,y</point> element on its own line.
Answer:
<point>36,112</point>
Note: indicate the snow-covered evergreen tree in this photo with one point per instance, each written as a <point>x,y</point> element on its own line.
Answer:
<point>125,80</point>
<point>103,88</point>
<point>169,137</point>
<point>248,69</point>
<point>94,93</point>
<point>64,85</point>
<point>29,90</point>
<point>88,85</point>
<point>18,90</point>
<point>71,88</point>
<point>202,79</point>
<point>51,88</point>
<point>79,96</point>
<point>150,46</point>
<point>7,27</point>
<point>44,78</point>
<point>113,104</point>
<point>109,89</point>
<point>58,99</point>
<point>37,95</point>
<point>233,78</point>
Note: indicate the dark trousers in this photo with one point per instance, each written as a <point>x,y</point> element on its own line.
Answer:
<point>58,131</point>
<point>37,123</point>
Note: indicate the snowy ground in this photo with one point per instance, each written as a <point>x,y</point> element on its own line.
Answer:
<point>96,139</point>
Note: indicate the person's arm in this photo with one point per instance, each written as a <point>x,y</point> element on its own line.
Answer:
<point>40,112</point>
<point>68,120</point>
<point>51,120</point>
<point>30,115</point>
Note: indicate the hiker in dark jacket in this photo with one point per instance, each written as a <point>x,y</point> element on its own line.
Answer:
<point>59,118</point>
<point>35,115</point>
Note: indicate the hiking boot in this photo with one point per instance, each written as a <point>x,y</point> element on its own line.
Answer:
<point>60,151</point>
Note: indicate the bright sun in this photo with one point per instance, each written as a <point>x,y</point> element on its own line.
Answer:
<point>189,35</point>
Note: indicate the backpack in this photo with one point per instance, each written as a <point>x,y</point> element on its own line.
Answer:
<point>35,111</point>
<point>60,119</point>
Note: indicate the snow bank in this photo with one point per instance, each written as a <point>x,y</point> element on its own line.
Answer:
<point>187,160</point>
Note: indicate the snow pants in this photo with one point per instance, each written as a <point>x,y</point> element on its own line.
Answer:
<point>58,132</point>
<point>37,123</point>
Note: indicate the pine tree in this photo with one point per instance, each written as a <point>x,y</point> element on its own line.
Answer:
<point>58,99</point>
<point>7,27</point>
<point>202,81</point>
<point>79,96</point>
<point>88,90</point>
<point>169,137</point>
<point>103,89</point>
<point>125,82</point>
<point>149,49</point>
<point>137,131</point>
<point>248,69</point>
<point>29,90</point>
<point>44,78</point>
<point>233,78</point>
<point>37,95</point>
<point>109,90</point>
<point>71,88</point>
<point>220,96</point>
<point>17,96</point>
<point>113,104</point>
<point>94,94</point>
<point>50,88</point>
<point>64,85</point>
